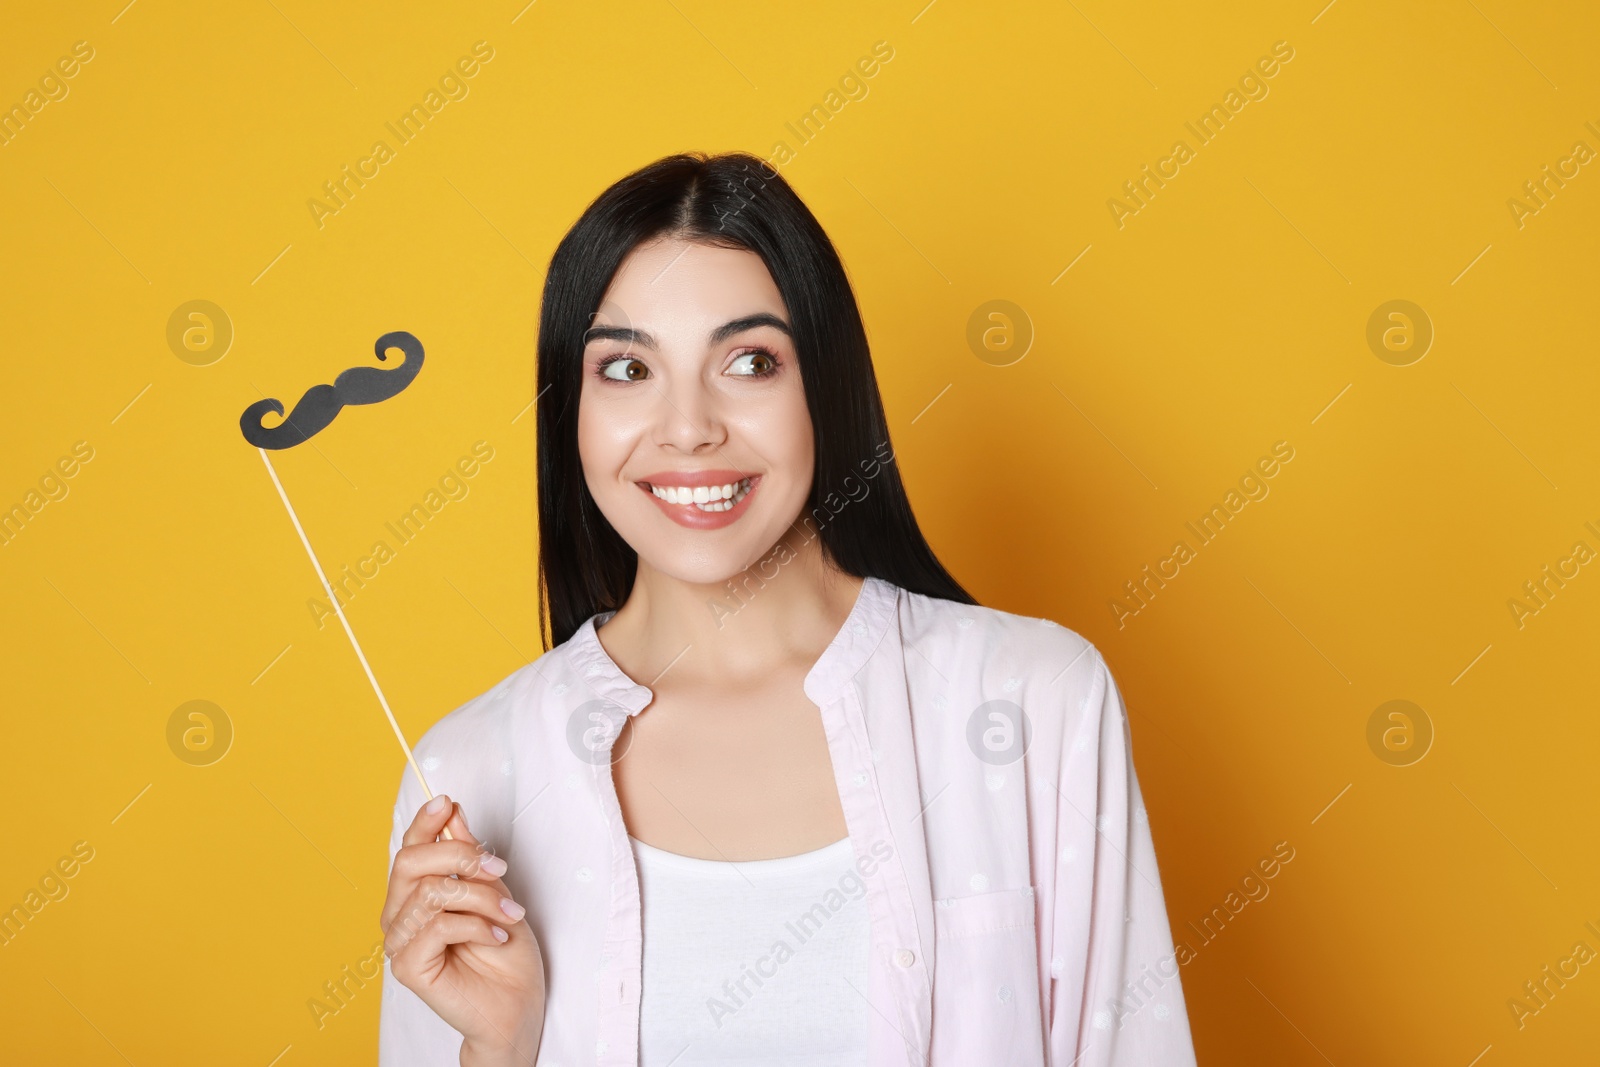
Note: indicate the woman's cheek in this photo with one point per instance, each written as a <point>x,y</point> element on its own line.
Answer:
<point>603,449</point>
<point>782,426</point>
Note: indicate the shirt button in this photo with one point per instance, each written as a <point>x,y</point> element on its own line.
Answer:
<point>904,958</point>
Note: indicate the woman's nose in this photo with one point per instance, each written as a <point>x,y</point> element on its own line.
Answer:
<point>689,418</point>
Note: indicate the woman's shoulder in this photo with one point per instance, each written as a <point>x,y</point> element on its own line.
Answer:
<point>485,751</point>
<point>484,725</point>
<point>975,655</point>
<point>1024,645</point>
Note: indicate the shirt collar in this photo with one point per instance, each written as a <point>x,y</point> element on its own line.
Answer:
<point>844,657</point>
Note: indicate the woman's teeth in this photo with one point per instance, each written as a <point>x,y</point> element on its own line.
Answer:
<point>705,497</point>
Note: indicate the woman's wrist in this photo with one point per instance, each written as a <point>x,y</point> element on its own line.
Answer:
<point>519,1050</point>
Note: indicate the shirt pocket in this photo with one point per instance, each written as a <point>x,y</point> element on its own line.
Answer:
<point>986,981</point>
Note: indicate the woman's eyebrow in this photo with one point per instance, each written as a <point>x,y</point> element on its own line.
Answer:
<point>749,322</point>
<point>629,335</point>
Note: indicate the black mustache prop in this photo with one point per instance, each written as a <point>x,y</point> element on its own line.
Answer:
<point>319,405</point>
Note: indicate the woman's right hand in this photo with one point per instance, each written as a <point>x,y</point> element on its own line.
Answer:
<point>461,943</point>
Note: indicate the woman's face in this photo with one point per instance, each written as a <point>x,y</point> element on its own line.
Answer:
<point>692,423</point>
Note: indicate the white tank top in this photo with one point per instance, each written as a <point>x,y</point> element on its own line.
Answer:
<point>757,962</point>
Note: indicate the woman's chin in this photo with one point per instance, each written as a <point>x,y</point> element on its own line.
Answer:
<point>748,561</point>
<point>718,569</point>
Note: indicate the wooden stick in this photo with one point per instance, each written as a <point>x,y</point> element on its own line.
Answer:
<point>399,735</point>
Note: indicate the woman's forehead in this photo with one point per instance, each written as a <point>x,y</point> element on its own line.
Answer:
<point>685,283</point>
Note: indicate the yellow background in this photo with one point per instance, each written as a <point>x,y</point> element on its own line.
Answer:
<point>1228,314</point>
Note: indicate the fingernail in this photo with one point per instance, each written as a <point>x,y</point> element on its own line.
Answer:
<point>499,934</point>
<point>436,805</point>
<point>513,910</point>
<point>493,866</point>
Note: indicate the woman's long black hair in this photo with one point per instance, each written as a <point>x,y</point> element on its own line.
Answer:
<point>739,201</point>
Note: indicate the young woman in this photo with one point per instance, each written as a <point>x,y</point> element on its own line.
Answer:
<point>781,792</point>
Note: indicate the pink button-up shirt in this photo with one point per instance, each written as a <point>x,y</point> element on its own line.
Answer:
<point>985,771</point>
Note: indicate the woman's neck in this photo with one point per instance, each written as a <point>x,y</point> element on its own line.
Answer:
<point>779,613</point>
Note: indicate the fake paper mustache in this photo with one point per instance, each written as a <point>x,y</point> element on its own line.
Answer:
<point>319,405</point>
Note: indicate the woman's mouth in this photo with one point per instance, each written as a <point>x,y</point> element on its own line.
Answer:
<point>705,497</point>
<point>702,500</point>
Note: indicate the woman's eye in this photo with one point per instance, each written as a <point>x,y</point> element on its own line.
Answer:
<point>624,370</point>
<point>753,364</point>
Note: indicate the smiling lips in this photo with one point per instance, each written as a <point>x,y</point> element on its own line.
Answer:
<point>701,500</point>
